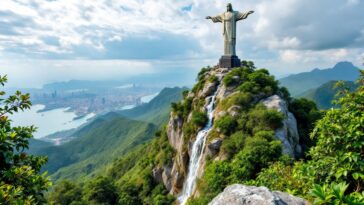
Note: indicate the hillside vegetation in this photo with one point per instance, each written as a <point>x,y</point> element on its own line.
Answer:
<point>107,138</point>
<point>157,109</point>
<point>249,144</point>
<point>323,165</point>
<point>324,95</point>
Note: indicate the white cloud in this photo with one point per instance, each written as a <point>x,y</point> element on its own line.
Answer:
<point>284,35</point>
<point>290,56</point>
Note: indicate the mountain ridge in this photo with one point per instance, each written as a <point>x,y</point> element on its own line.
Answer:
<point>299,83</point>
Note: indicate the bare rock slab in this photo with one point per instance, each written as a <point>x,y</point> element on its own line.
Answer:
<point>238,194</point>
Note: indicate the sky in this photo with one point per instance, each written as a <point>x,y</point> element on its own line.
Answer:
<point>43,41</point>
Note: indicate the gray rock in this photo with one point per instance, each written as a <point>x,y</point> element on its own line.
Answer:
<point>174,132</point>
<point>157,173</point>
<point>288,133</point>
<point>224,91</point>
<point>234,110</point>
<point>238,194</point>
<point>166,177</point>
<point>190,95</point>
<point>221,114</point>
<point>214,147</point>
<point>208,89</point>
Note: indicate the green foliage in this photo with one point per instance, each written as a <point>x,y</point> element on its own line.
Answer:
<point>248,64</point>
<point>237,75</point>
<point>182,108</point>
<point>324,95</point>
<point>334,171</point>
<point>129,195</point>
<point>199,118</point>
<point>243,100</point>
<point>260,82</point>
<point>157,110</point>
<point>213,78</point>
<point>261,118</point>
<point>226,124</point>
<point>306,114</point>
<point>202,73</point>
<point>20,178</point>
<point>101,191</point>
<point>256,154</point>
<point>338,154</point>
<point>233,144</point>
<point>201,79</point>
<point>335,194</point>
<point>65,193</point>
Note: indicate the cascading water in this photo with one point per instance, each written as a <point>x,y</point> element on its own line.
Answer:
<point>197,148</point>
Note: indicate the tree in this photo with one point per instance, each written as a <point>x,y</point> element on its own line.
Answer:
<point>20,178</point>
<point>66,193</point>
<point>338,155</point>
<point>101,191</point>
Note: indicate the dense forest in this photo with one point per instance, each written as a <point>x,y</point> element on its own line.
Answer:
<point>327,170</point>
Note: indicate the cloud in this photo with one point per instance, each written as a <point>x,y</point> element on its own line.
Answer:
<point>317,25</point>
<point>283,35</point>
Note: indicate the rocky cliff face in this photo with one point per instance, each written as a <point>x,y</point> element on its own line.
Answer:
<point>238,194</point>
<point>288,133</point>
<point>181,139</point>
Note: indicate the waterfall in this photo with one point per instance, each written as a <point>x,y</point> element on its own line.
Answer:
<point>197,148</point>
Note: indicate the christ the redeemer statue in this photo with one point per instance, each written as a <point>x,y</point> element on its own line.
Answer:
<point>229,19</point>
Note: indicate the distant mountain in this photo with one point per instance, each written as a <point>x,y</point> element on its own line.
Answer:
<point>325,94</point>
<point>297,84</point>
<point>108,137</point>
<point>35,145</point>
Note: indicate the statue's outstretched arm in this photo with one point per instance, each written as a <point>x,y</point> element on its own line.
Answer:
<point>215,19</point>
<point>243,15</point>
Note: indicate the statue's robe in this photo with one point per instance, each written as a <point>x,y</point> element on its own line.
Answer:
<point>229,20</point>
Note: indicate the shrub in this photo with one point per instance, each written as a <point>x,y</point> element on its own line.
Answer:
<point>66,192</point>
<point>249,87</point>
<point>213,78</point>
<point>216,177</point>
<point>226,124</point>
<point>233,144</point>
<point>101,191</point>
<point>241,99</point>
<point>307,114</point>
<point>262,78</point>
<point>202,73</point>
<point>258,153</point>
<point>199,118</point>
<point>261,118</point>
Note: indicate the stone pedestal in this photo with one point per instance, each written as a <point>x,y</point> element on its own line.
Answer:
<point>229,62</point>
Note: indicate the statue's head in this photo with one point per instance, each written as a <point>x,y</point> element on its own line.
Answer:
<point>229,7</point>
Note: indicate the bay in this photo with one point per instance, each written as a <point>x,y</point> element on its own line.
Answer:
<point>50,121</point>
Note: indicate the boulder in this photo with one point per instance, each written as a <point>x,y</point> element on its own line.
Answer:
<point>214,147</point>
<point>157,173</point>
<point>208,89</point>
<point>238,194</point>
<point>224,91</point>
<point>288,133</point>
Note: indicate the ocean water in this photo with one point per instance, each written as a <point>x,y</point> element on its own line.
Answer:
<point>48,122</point>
